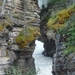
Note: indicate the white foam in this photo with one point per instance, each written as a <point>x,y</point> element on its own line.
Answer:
<point>44,64</point>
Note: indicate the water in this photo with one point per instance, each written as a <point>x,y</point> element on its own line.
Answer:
<point>43,64</point>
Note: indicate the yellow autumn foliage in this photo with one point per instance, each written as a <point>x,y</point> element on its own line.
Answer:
<point>60,18</point>
<point>63,15</point>
<point>24,40</point>
<point>1,28</point>
<point>2,24</point>
<point>51,22</point>
<point>58,26</point>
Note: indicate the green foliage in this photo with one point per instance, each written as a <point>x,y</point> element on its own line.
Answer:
<point>69,50</point>
<point>69,32</point>
<point>30,72</point>
<point>14,71</point>
<point>17,71</point>
<point>70,41</point>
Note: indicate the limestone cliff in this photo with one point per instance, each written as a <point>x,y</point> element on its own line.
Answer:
<point>19,27</point>
<point>57,18</point>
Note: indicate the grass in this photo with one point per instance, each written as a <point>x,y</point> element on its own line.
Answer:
<point>17,71</point>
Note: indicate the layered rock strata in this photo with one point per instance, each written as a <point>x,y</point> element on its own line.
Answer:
<point>13,21</point>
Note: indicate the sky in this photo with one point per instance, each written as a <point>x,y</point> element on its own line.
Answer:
<point>40,2</point>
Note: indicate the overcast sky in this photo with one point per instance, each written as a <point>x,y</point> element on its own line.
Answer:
<point>40,2</point>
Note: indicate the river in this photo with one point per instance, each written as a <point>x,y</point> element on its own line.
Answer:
<point>43,64</point>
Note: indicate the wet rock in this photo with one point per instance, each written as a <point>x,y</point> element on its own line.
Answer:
<point>49,48</point>
<point>62,65</point>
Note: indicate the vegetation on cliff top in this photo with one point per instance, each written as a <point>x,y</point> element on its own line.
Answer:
<point>63,21</point>
<point>60,18</point>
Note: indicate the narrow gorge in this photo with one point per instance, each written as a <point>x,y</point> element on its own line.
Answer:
<point>37,37</point>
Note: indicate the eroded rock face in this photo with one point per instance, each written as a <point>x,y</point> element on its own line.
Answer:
<point>47,37</point>
<point>24,55</point>
<point>63,65</point>
<point>10,51</point>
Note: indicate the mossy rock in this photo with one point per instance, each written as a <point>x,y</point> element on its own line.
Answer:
<point>24,40</point>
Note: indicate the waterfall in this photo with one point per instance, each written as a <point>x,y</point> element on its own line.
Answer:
<point>42,63</point>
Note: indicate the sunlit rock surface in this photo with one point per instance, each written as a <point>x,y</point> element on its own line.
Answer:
<point>11,25</point>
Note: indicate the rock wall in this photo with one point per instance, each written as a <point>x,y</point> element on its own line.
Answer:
<point>49,44</point>
<point>62,65</point>
<point>45,15</point>
<point>12,23</point>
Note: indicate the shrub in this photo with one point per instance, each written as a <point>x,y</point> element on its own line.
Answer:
<point>17,71</point>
